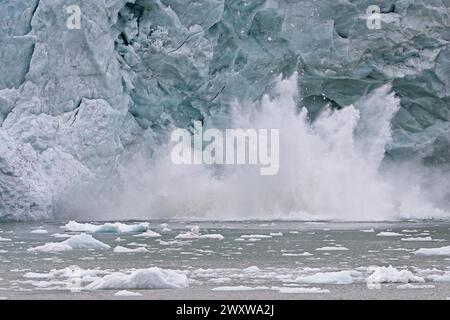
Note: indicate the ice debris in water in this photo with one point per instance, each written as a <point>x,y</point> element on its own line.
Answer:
<point>79,241</point>
<point>338,277</point>
<point>151,278</point>
<point>120,249</point>
<point>126,293</point>
<point>194,233</point>
<point>442,251</point>
<point>39,231</point>
<point>116,227</point>
<point>148,234</point>
<point>389,234</point>
<point>392,275</point>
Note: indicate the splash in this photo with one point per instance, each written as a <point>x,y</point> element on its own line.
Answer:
<point>329,170</point>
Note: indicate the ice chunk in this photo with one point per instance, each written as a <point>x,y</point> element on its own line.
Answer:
<point>116,227</point>
<point>51,247</point>
<point>332,249</point>
<point>120,249</point>
<point>389,234</point>
<point>415,286</point>
<point>392,275</point>
<point>148,234</point>
<point>126,293</point>
<point>302,290</point>
<point>418,239</point>
<point>239,288</point>
<point>251,269</point>
<point>39,231</point>
<point>151,278</point>
<point>442,251</point>
<point>338,277</point>
<point>80,241</point>
<point>4,239</point>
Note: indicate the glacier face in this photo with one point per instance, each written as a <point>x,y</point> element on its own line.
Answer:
<point>75,104</point>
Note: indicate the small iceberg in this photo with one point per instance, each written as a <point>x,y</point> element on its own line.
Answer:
<point>116,227</point>
<point>120,249</point>
<point>151,278</point>
<point>442,251</point>
<point>79,241</point>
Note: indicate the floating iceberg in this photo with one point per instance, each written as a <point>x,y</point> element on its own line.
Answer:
<point>338,277</point>
<point>152,278</point>
<point>116,227</point>
<point>79,241</point>
<point>442,251</point>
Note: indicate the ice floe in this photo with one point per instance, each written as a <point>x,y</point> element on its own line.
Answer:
<point>389,234</point>
<point>418,239</point>
<point>4,239</point>
<point>195,234</point>
<point>151,278</point>
<point>239,288</point>
<point>415,286</point>
<point>79,241</point>
<point>442,251</point>
<point>302,290</point>
<point>332,249</point>
<point>116,227</point>
<point>39,231</point>
<point>126,293</point>
<point>148,234</point>
<point>338,277</point>
<point>120,249</point>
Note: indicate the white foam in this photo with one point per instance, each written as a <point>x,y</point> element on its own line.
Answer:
<point>4,239</point>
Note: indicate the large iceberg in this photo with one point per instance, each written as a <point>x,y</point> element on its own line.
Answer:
<point>77,104</point>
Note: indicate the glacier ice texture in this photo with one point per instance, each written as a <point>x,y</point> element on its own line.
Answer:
<point>75,104</point>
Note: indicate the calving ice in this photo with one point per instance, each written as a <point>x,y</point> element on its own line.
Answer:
<point>230,147</point>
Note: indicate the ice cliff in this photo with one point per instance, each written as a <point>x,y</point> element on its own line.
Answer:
<point>77,103</point>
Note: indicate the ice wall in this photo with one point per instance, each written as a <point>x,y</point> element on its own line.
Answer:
<point>77,104</point>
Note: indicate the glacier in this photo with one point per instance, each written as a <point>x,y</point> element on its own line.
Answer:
<point>77,106</point>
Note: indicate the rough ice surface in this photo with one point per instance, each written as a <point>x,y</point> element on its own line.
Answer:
<point>392,275</point>
<point>75,105</point>
<point>151,278</point>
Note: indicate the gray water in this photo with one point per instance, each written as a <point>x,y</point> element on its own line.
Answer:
<point>276,257</point>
